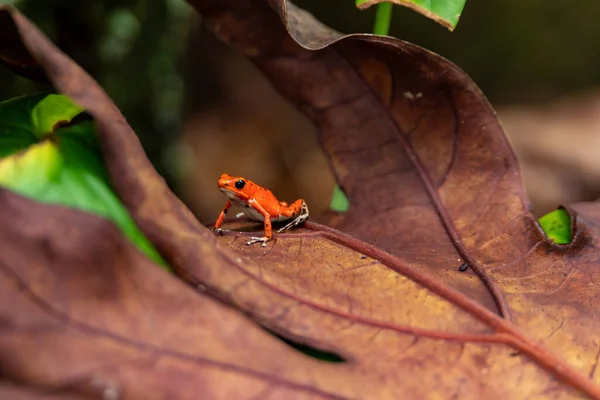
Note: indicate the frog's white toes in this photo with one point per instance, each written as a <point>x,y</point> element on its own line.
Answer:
<point>255,239</point>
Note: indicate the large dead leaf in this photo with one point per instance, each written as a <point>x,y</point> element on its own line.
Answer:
<point>404,332</point>
<point>429,173</point>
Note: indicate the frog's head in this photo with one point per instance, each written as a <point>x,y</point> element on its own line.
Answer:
<point>235,187</point>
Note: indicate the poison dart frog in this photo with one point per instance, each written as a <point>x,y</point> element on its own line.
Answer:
<point>259,204</point>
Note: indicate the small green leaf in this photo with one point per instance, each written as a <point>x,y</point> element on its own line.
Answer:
<point>444,12</point>
<point>339,201</point>
<point>60,163</point>
<point>557,226</point>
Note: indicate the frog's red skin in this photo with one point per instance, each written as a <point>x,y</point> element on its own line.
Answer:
<point>259,204</point>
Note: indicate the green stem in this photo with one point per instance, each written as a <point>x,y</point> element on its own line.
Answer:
<point>383,18</point>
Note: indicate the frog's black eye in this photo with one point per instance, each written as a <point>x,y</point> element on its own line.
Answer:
<point>240,183</point>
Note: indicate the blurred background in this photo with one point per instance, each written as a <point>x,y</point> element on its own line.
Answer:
<point>201,109</point>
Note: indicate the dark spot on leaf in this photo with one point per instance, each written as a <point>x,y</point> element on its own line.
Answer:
<point>78,119</point>
<point>60,124</point>
<point>310,351</point>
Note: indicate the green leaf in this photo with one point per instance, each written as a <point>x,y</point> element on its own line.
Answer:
<point>44,158</point>
<point>339,201</point>
<point>444,12</point>
<point>557,226</point>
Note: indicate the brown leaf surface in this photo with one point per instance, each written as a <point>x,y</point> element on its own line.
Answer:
<point>90,301</point>
<point>84,314</point>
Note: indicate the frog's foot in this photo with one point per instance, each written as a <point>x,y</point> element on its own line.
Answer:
<point>300,218</point>
<point>255,239</point>
<point>219,231</point>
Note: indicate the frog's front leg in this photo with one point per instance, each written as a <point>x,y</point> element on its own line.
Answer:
<point>221,217</point>
<point>298,211</point>
<point>267,224</point>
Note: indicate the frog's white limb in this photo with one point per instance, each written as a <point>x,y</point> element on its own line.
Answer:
<point>300,218</point>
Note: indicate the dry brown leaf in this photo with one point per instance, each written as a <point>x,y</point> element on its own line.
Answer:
<point>429,173</point>
<point>84,313</point>
<point>403,332</point>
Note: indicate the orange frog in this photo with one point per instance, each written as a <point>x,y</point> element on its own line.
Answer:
<point>259,204</point>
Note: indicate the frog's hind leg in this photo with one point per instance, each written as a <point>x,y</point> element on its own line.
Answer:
<point>298,211</point>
